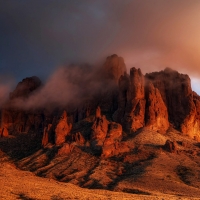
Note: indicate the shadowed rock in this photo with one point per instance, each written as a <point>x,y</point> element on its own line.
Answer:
<point>46,134</point>
<point>135,107</point>
<point>171,146</point>
<point>114,67</point>
<point>25,87</point>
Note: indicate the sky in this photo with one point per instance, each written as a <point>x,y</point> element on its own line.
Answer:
<point>38,36</point>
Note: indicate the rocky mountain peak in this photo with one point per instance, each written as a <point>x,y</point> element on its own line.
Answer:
<point>114,67</point>
<point>25,87</point>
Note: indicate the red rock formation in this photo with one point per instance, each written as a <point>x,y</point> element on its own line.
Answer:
<point>115,149</point>
<point>25,87</point>
<point>114,134</point>
<point>170,146</point>
<point>98,112</point>
<point>156,110</point>
<point>176,92</point>
<point>4,132</point>
<point>167,94</point>
<point>135,107</point>
<point>62,129</point>
<point>112,140</point>
<point>65,149</point>
<point>191,123</point>
<point>106,136</point>
<point>78,138</point>
<point>99,130</point>
<point>114,67</point>
<point>122,98</point>
<point>47,131</point>
<point>15,119</point>
<point>182,104</point>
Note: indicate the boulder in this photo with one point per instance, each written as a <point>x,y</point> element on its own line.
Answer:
<point>170,146</point>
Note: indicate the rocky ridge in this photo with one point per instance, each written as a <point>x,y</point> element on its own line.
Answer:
<point>153,101</point>
<point>127,126</point>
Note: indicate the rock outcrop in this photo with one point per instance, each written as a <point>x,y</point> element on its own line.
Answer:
<point>114,67</point>
<point>4,132</point>
<point>78,138</point>
<point>182,104</point>
<point>152,101</point>
<point>62,129</point>
<point>122,98</point>
<point>131,105</point>
<point>14,118</point>
<point>46,134</point>
<point>112,145</point>
<point>65,149</point>
<point>156,116</point>
<point>170,146</point>
<point>99,130</point>
<point>26,87</point>
<point>106,136</point>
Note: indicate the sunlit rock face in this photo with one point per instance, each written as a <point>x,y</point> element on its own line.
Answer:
<point>191,124</point>
<point>182,104</point>
<point>62,129</point>
<point>176,92</point>
<point>46,134</point>
<point>4,132</point>
<point>105,135</point>
<point>99,130</point>
<point>156,111</point>
<point>112,144</point>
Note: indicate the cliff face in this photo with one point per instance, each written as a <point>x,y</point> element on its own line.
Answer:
<point>156,115</point>
<point>133,102</point>
<point>17,120</point>
<point>181,102</point>
<point>114,67</point>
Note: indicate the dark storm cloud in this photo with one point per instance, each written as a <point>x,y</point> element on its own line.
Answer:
<point>56,31</point>
<point>38,35</point>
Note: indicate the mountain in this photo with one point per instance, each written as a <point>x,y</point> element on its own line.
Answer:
<point>124,132</point>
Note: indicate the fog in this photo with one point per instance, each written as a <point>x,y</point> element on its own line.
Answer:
<point>67,86</point>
